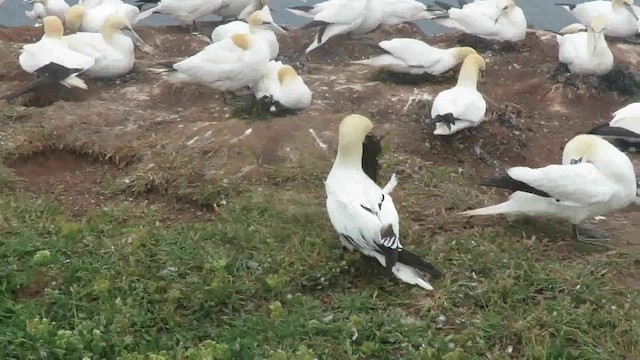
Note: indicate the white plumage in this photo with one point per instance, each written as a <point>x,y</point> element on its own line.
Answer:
<point>43,8</point>
<point>586,53</point>
<point>283,85</point>
<point>411,56</point>
<point>240,9</point>
<point>462,106</point>
<point>392,12</point>
<point>184,11</point>
<point>91,18</point>
<point>620,15</point>
<point>624,129</point>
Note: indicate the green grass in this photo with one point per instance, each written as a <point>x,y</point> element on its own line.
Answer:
<point>266,279</point>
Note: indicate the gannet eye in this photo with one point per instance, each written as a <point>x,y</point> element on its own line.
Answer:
<point>576,161</point>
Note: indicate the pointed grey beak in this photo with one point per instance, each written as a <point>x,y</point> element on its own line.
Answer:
<point>274,27</point>
<point>128,31</point>
<point>502,12</point>
<point>29,1</point>
<point>631,10</point>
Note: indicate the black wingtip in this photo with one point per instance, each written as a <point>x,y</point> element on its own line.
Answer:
<point>315,24</point>
<point>571,6</point>
<point>444,5</point>
<point>305,8</point>
<point>613,131</point>
<point>47,74</point>
<point>410,259</point>
<point>508,183</point>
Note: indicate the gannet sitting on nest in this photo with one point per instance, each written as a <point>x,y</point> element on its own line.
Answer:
<point>595,178</point>
<point>620,15</point>
<point>240,9</point>
<point>463,105</point>
<point>185,11</point>
<point>585,53</point>
<point>91,17</point>
<point>283,88</point>
<point>260,24</point>
<point>500,20</point>
<point>411,56</point>
<point>394,12</point>
<point>624,129</point>
<point>363,214</point>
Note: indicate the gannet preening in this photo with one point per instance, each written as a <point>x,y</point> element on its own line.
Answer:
<point>394,12</point>
<point>283,88</point>
<point>462,106</point>
<point>411,56</point>
<point>185,11</point>
<point>363,214</point>
<point>240,9</point>
<point>357,17</point>
<point>585,53</point>
<point>227,65</point>
<point>500,20</point>
<point>620,16</point>
<point>260,24</point>
<point>113,49</point>
<point>90,18</point>
<point>595,178</point>
<point>624,129</point>
<point>56,8</point>
<point>51,49</point>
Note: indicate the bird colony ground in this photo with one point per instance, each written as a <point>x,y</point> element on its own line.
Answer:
<point>145,221</point>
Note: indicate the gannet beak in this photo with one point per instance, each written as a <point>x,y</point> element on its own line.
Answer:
<point>128,31</point>
<point>29,1</point>
<point>630,9</point>
<point>502,12</point>
<point>275,27</point>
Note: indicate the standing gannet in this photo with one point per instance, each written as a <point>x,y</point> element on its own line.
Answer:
<point>411,56</point>
<point>45,8</point>
<point>363,214</point>
<point>283,87</point>
<point>91,19</point>
<point>51,49</point>
<point>240,9</point>
<point>394,12</point>
<point>357,17</point>
<point>37,13</point>
<point>500,20</point>
<point>594,179</point>
<point>461,106</point>
<point>113,49</point>
<point>227,65</point>
<point>586,53</point>
<point>624,129</point>
<point>620,16</point>
<point>185,11</point>
<point>260,24</point>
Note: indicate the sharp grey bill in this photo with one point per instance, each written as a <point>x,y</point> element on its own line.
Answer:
<point>132,34</point>
<point>275,27</point>
<point>631,10</point>
<point>504,9</point>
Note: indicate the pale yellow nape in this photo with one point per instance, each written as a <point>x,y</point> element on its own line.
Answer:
<point>355,126</point>
<point>53,27</point>
<point>241,41</point>
<point>74,16</point>
<point>286,73</point>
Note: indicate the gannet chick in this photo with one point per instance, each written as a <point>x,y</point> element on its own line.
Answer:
<point>461,106</point>
<point>260,24</point>
<point>227,65</point>
<point>620,16</point>
<point>51,49</point>
<point>283,87</point>
<point>91,19</point>
<point>411,56</point>
<point>594,179</point>
<point>500,20</point>
<point>586,53</point>
<point>363,214</point>
<point>357,17</point>
<point>624,129</point>
<point>56,8</point>
<point>113,49</point>
<point>240,9</point>
<point>184,11</point>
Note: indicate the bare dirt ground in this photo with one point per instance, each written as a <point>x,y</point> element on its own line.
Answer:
<point>141,134</point>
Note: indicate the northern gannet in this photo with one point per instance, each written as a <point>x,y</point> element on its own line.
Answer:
<point>357,17</point>
<point>51,49</point>
<point>113,49</point>
<point>282,87</point>
<point>624,129</point>
<point>260,24</point>
<point>37,13</point>
<point>185,11</point>
<point>56,8</point>
<point>463,105</point>
<point>594,179</point>
<point>411,56</point>
<point>394,12</point>
<point>90,19</point>
<point>620,16</point>
<point>585,53</point>
<point>363,214</point>
<point>500,20</point>
<point>240,9</point>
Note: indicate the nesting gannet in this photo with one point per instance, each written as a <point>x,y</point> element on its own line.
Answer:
<point>500,20</point>
<point>624,129</point>
<point>461,106</point>
<point>620,15</point>
<point>90,19</point>
<point>185,11</point>
<point>240,9</point>
<point>411,56</point>
<point>51,49</point>
<point>394,12</point>
<point>227,65</point>
<point>357,17</point>
<point>283,87</point>
<point>595,178</point>
<point>363,214</point>
<point>56,8</point>
<point>113,49</point>
<point>586,53</point>
<point>260,24</point>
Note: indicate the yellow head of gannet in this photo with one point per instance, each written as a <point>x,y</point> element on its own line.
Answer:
<point>583,148</point>
<point>470,70</point>
<point>598,23</point>
<point>53,27</point>
<point>74,16</point>
<point>351,134</point>
<point>461,53</point>
<point>286,73</point>
<point>243,41</point>
<point>115,23</point>
<point>262,19</point>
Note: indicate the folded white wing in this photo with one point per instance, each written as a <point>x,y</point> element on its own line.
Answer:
<point>413,52</point>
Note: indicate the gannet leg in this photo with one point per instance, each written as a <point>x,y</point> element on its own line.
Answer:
<point>589,236</point>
